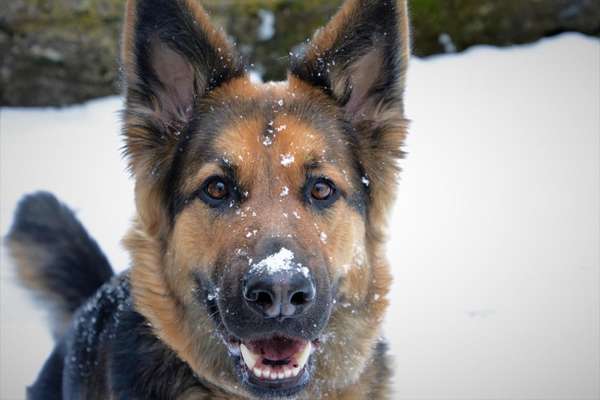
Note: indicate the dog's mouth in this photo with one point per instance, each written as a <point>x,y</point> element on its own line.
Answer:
<point>276,359</point>
<point>275,366</point>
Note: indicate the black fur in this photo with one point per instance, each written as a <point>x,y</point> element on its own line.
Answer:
<point>110,350</point>
<point>139,358</point>
<point>69,266</point>
<point>49,383</point>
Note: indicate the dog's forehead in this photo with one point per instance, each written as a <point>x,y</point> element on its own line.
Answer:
<point>260,127</point>
<point>281,139</point>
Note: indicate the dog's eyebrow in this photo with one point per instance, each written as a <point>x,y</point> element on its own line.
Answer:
<point>330,170</point>
<point>229,169</point>
<point>215,167</point>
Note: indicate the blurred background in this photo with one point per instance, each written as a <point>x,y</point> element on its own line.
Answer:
<point>59,52</point>
<point>494,238</point>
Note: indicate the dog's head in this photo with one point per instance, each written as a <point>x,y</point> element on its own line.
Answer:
<point>258,247</point>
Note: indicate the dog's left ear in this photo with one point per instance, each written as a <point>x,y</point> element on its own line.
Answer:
<point>359,58</point>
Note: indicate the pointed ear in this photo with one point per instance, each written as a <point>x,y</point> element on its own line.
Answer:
<point>172,56</point>
<point>360,58</point>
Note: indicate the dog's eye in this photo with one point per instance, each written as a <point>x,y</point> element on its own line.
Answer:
<point>215,191</point>
<point>321,192</point>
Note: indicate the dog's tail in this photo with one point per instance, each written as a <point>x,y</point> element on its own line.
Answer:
<point>55,257</point>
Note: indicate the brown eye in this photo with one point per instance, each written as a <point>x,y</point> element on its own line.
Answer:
<point>321,190</point>
<point>217,189</point>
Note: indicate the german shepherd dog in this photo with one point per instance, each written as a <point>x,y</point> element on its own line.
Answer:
<point>258,255</point>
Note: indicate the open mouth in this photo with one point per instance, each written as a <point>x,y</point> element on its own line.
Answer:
<point>276,365</point>
<point>275,359</point>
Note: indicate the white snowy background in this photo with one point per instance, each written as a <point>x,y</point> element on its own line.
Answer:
<point>494,238</point>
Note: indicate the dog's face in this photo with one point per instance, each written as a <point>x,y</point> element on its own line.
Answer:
<point>269,216</point>
<point>258,251</point>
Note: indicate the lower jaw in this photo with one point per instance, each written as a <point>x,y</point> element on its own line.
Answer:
<point>276,388</point>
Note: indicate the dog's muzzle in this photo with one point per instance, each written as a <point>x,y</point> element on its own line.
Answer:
<point>274,313</point>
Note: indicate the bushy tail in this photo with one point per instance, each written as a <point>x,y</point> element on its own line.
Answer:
<point>55,257</point>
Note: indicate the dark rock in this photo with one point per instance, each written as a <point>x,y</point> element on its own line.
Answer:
<point>59,52</point>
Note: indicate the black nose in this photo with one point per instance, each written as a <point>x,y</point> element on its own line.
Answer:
<point>282,294</point>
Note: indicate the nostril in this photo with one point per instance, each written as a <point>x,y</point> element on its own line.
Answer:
<point>299,298</point>
<point>263,299</point>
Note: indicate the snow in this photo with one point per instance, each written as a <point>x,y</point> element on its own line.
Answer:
<point>284,191</point>
<point>494,238</point>
<point>323,237</point>
<point>266,29</point>
<point>287,159</point>
<point>277,262</point>
<point>446,41</point>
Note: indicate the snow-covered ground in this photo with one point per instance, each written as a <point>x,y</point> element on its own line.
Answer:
<point>494,239</point>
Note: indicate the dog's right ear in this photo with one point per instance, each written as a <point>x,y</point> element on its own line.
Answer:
<point>172,56</point>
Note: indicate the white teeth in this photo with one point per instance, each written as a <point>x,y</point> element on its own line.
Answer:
<point>248,356</point>
<point>265,372</point>
<point>274,375</point>
<point>303,357</point>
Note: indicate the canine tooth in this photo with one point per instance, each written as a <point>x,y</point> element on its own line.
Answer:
<point>295,371</point>
<point>257,372</point>
<point>280,375</point>
<point>249,358</point>
<point>288,373</point>
<point>303,357</point>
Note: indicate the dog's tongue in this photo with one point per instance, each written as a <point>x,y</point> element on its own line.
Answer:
<point>277,348</point>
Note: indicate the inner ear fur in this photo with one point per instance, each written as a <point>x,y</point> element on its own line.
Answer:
<point>359,58</point>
